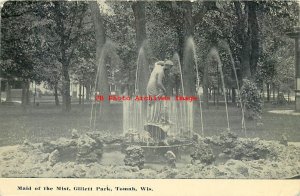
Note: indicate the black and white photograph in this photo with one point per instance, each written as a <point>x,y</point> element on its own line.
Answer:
<point>149,90</point>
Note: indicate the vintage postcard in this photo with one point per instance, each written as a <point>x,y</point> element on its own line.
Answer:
<point>150,97</point>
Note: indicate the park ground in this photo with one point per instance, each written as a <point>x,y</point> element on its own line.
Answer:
<point>47,122</point>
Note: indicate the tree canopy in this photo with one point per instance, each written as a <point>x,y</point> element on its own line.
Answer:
<point>55,42</point>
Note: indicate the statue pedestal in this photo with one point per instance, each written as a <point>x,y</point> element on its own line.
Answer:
<point>157,131</point>
<point>173,117</point>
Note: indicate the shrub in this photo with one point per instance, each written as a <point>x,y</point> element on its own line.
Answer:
<point>134,157</point>
<point>251,100</point>
<point>202,154</point>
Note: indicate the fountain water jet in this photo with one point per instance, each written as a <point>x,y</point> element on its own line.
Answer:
<point>101,81</point>
<point>226,46</point>
<point>177,59</point>
<point>142,71</point>
<point>214,54</point>
<point>176,116</point>
<point>190,47</point>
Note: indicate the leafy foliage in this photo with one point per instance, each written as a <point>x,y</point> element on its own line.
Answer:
<point>134,157</point>
<point>251,99</point>
<point>202,153</point>
<point>40,38</point>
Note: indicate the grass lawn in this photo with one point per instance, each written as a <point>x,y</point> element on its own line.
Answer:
<point>270,127</point>
<point>48,122</point>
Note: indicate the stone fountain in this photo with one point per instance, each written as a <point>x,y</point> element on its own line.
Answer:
<point>158,126</point>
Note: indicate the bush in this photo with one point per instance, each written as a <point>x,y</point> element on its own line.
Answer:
<point>202,154</point>
<point>251,100</point>
<point>236,148</point>
<point>134,157</point>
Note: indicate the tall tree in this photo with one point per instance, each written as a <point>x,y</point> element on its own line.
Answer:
<point>140,23</point>
<point>102,75</point>
<point>243,39</point>
<point>254,35</point>
<point>184,16</point>
<point>17,47</point>
<point>68,17</point>
<point>142,72</point>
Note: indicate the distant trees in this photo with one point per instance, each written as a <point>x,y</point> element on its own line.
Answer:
<point>17,46</point>
<point>50,37</point>
<point>55,42</point>
<point>102,72</point>
<point>67,18</point>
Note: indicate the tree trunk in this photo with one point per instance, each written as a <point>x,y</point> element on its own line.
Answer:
<point>140,29</point>
<point>180,46</point>
<point>66,88</point>
<point>253,30</point>
<point>64,60</point>
<point>245,62</point>
<point>102,81</point>
<point>184,27</point>
<point>56,94</point>
<point>262,92</point>
<point>188,26</point>
<point>214,90</point>
<point>25,94</point>
<point>205,86</point>
<point>188,65</point>
<point>243,39</point>
<point>233,95</point>
<point>177,18</point>
<point>227,95</point>
<point>268,92</point>
<point>140,22</point>
<point>79,93</point>
<point>34,97</point>
<point>83,94</point>
<point>273,91</point>
<point>88,92</point>
<point>8,91</point>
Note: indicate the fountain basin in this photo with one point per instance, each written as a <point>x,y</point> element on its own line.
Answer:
<point>156,154</point>
<point>280,162</point>
<point>178,114</point>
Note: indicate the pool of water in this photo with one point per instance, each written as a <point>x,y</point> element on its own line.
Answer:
<point>117,158</point>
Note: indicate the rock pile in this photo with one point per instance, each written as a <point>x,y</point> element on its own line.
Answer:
<point>82,149</point>
<point>230,146</point>
<point>134,157</point>
<point>73,158</point>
